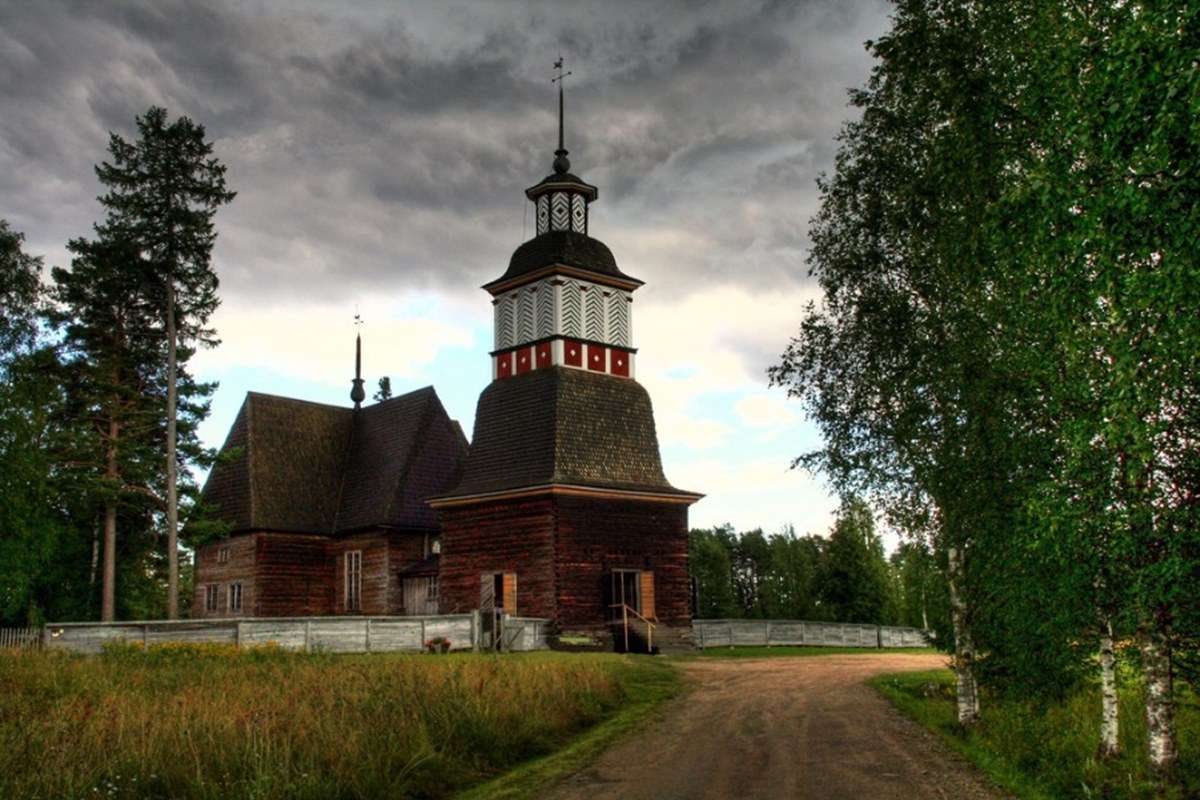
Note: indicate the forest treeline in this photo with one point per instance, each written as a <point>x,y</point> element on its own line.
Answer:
<point>98,407</point>
<point>1006,358</point>
<point>844,576</point>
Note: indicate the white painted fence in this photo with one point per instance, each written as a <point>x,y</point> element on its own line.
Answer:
<point>20,638</point>
<point>782,632</point>
<point>311,634</point>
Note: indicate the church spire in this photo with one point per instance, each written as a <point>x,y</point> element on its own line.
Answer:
<point>562,164</point>
<point>357,394</point>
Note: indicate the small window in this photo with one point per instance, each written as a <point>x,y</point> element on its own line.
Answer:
<point>210,598</point>
<point>235,598</point>
<point>223,555</point>
<point>432,591</point>
<point>436,547</point>
<point>354,580</point>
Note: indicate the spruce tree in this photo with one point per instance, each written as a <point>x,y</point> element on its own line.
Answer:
<point>163,191</point>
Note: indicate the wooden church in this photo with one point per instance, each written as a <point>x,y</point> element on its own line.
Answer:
<point>557,508</point>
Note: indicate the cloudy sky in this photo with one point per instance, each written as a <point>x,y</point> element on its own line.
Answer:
<point>380,149</point>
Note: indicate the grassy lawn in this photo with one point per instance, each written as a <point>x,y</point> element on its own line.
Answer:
<point>215,722</point>
<point>763,652</point>
<point>1048,751</point>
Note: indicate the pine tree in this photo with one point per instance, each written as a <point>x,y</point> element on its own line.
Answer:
<point>115,360</point>
<point>162,194</point>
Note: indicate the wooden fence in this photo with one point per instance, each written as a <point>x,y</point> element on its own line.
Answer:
<point>325,634</point>
<point>776,632</point>
<point>20,638</point>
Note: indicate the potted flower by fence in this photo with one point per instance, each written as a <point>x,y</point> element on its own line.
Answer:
<point>438,644</point>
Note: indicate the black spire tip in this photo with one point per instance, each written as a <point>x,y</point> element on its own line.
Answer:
<point>562,164</point>
<point>357,394</point>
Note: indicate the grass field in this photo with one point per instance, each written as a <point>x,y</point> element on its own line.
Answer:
<point>763,652</point>
<point>1040,751</point>
<point>216,722</point>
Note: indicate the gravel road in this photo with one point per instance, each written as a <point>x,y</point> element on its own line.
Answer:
<point>802,727</point>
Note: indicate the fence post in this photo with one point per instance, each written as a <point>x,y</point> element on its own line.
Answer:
<point>767,633</point>
<point>45,637</point>
<point>422,633</point>
<point>368,634</point>
<point>307,635</point>
<point>145,636</point>
<point>476,626</point>
<point>237,634</point>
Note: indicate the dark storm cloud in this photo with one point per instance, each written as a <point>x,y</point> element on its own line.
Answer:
<point>386,147</point>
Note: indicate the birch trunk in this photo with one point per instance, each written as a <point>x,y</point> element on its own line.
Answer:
<point>172,500</point>
<point>964,651</point>
<point>1110,740</point>
<point>1160,705</point>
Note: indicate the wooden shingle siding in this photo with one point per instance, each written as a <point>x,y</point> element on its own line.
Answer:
<point>506,536</point>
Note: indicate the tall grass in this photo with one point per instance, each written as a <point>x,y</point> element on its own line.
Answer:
<point>217,722</point>
<point>1048,750</point>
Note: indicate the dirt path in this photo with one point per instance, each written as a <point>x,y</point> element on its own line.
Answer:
<point>782,728</point>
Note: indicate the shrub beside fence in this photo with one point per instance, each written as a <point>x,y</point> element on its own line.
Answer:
<point>778,632</point>
<point>325,634</point>
<point>20,638</point>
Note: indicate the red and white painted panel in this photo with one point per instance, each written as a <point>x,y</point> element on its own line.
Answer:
<point>573,353</point>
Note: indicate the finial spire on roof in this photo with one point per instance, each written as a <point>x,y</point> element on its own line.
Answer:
<point>562,164</point>
<point>357,394</point>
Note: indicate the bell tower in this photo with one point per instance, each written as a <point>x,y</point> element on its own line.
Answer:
<point>563,301</point>
<point>563,501</point>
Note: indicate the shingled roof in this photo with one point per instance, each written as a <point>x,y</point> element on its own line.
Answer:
<point>295,466</point>
<point>564,426</point>
<point>567,248</point>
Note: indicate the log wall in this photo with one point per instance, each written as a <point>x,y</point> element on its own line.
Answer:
<point>294,575</point>
<point>239,568</point>
<point>596,536</point>
<point>504,536</point>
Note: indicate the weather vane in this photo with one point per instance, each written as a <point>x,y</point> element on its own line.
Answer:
<point>358,320</point>
<point>561,164</point>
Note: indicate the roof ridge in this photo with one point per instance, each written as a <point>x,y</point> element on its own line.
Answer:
<point>413,446</point>
<point>250,471</point>
<point>337,505</point>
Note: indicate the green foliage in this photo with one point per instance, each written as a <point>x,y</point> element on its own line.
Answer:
<point>20,294</point>
<point>843,578</point>
<point>270,723</point>
<point>1006,356</point>
<point>384,391</point>
<point>1048,750</point>
<point>855,581</point>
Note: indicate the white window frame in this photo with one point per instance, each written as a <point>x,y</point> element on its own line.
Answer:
<point>223,555</point>
<point>211,597</point>
<point>231,591</point>
<point>353,580</point>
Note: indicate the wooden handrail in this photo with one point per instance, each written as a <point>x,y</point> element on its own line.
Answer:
<point>650,626</point>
